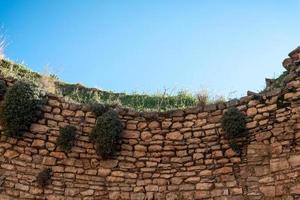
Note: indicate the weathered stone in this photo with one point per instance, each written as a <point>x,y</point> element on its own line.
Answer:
<point>131,134</point>
<point>204,186</point>
<point>268,191</point>
<point>10,154</point>
<point>38,143</point>
<point>251,111</point>
<point>294,160</point>
<point>38,128</point>
<point>68,113</point>
<point>154,125</point>
<point>278,164</point>
<point>49,161</point>
<point>174,136</point>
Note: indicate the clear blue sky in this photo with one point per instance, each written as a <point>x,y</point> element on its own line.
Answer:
<point>146,46</point>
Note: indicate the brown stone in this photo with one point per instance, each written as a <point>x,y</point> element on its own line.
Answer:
<point>295,189</point>
<point>131,134</point>
<point>174,136</point>
<point>68,113</point>
<point>294,160</point>
<point>72,191</point>
<point>166,124</point>
<point>38,128</point>
<point>49,161</point>
<point>251,111</point>
<point>268,191</point>
<point>202,194</point>
<point>141,125</point>
<point>108,163</point>
<point>278,164</point>
<point>146,135</point>
<point>59,155</point>
<point>223,170</point>
<point>10,154</point>
<point>38,143</point>
<point>154,125</point>
<point>204,186</point>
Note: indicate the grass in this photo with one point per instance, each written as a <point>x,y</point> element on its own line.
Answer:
<point>80,94</point>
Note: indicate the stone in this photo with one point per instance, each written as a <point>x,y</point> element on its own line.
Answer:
<point>166,124</point>
<point>108,163</point>
<point>38,143</point>
<point>146,135</point>
<point>53,103</point>
<point>72,191</point>
<point>131,134</point>
<point>154,125</point>
<point>295,189</point>
<point>152,148</point>
<point>202,194</point>
<point>49,161</point>
<point>223,170</point>
<point>87,193</point>
<point>57,154</point>
<point>39,128</point>
<point>294,160</point>
<point>174,136</point>
<point>268,191</point>
<point>103,171</point>
<point>10,154</point>
<point>79,113</point>
<point>68,113</point>
<point>251,111</point>
<point>141,125</point>
<point>278,164</point>
<point>204,186</point>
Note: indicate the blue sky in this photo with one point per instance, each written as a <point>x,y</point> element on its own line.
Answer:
<point>146,46</point>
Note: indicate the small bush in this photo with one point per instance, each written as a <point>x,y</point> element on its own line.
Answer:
<point>43,178</point>
<point>234,123</point>
<point>98,109</point>
<point>3,88</point>
<point>66,138</point>
<point>18,108</point>
<point>106,134</point>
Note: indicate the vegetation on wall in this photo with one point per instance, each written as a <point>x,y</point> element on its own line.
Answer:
<point>66,138</point>
<point>99,109</point>
<point>234,126</point>
<point>75,92</point>
<point>3,88</point>
<point>19,108</point>
<point>44,177</point>
<point>106,134</point>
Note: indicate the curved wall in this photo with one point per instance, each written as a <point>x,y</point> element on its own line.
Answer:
<point>175,155</point>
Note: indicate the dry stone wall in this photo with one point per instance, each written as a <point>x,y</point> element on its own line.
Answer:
<point>179,154</point>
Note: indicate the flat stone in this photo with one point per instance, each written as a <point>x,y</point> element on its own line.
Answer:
<point>278,164</point>
<point>268,191</point>
<point>174,136</point>
<point>38,143</point>
<point>38,128</point>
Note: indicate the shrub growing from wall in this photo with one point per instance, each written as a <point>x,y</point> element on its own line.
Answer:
<point>19,108</point>
<point>234,126</point>
<point>106,134</point>
<point>99,109</point>
<point>3,88</point>
<point>66,138</point>
<point>44,177</point>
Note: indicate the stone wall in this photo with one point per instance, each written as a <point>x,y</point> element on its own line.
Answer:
<point>179,154</point>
